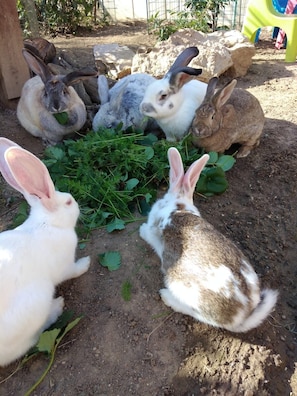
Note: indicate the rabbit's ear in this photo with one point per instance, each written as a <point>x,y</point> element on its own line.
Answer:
<point>4,145</point>
<point>30,176</point>
<point>192,176</point>
<point>78,75</point>
<point>211,87</point>
<point>181,76</point>
<point>117,100</point>
<point>223,94</point>
<point>103,89</point>
<point>184,58</point>
<point>176,173</point>
<point>37,65</point>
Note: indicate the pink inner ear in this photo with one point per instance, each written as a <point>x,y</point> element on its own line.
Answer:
<point>176,173</point>
<point>182,79</point>
<point>29,173</point>
<point>192,175</point>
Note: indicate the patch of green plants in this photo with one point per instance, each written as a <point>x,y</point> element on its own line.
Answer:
<point>201,15</point>
<point>163,28</point>
<point>114,173</point>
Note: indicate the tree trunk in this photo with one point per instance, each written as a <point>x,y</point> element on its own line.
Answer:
<point>30,9</point>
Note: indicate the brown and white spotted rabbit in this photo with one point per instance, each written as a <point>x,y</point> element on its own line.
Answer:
<point>206,275</point>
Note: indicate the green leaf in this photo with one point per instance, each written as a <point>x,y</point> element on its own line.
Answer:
<point>62,118</point>
<point>62,320</point>
<point>68,328</point>
<point>213,157</point>
<point>111,260</point>
<point>126,291</point>
<point>131,183</point>
<point>116,224</point>
<point>226,162</point>
<point>212,181</point>
<point>149,153</point>
<point>47,341</point>
<point>145,207</point>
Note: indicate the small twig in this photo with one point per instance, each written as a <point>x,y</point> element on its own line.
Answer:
<point>19,366</point>
<point>67,342</point>
<point>159,325</point>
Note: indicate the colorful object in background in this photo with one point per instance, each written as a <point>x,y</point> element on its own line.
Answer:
<point>281,39</point>
<point>261,13</point>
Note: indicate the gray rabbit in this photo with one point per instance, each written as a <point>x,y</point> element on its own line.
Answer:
<point>45,96</point>
<point>120,104</point>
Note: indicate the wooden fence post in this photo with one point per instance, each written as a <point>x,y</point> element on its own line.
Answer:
<point>13,68</point>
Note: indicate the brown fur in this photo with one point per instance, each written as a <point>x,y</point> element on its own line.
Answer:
<point>239,120</point>
<point>191,236</point>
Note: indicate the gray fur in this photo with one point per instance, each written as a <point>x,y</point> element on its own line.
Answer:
<point>47,94</point>
<point>121,103</point>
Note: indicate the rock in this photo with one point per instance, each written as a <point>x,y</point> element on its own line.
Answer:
<point>116,58</point>
<point>219,52</point>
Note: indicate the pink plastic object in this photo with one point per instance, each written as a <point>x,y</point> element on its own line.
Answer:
<point>281,34</point>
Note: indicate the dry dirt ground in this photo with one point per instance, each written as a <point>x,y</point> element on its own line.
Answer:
<point>140,347</point>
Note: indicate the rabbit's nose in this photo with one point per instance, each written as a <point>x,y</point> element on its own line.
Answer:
<point>147,108</point>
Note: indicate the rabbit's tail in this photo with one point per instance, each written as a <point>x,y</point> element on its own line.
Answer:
<point>262,310</point>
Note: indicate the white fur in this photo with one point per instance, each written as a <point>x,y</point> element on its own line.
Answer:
<point>174,114</point>
<point>36,256</point>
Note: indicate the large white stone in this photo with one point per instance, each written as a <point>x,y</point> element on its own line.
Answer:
<point>219,52</point>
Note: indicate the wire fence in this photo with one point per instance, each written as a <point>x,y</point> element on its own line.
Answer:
<point>230,17</point>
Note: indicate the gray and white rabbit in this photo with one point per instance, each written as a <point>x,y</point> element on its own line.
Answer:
<point>206,275</point>
<point>173,100</point>
<point>47,95</point>
<point>36,256</point>
<point>226,116</point>
<point>120,104</point>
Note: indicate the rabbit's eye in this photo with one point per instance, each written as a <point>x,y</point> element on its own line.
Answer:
<point>163,96</point>
<point>69,202</point>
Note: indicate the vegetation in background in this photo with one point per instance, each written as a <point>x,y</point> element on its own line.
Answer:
<point>114,173</point>
<point>201,15</point>
<point>210,9</point>
<point>60,16</point>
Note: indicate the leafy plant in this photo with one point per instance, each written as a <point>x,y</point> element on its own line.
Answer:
<point>113,172</point>
<point>210,8</point>
<point>59,15</point>
<point>163,28</point>
<point>111,260</point>
<point>126,290</point>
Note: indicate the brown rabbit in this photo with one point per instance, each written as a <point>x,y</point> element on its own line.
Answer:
<point>227,116</point>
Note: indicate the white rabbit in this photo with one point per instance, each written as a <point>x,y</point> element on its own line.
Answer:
<point>173,100</point>
<point>206,275</point>
<point>47,95</point>
<point>120,104</point>
<point>36,256</point>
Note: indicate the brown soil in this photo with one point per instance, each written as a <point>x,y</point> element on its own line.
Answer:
<point>140,347</point>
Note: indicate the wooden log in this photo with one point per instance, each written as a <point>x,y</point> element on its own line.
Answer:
<point>14,71</point>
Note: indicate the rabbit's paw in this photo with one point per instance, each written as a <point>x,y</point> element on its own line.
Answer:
<point>55,311</point>
<point>82,265</point>
<point>143,231</point>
